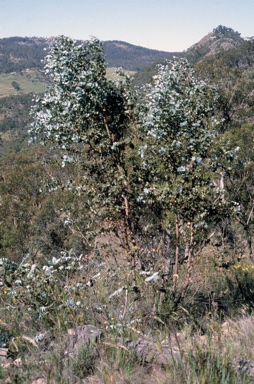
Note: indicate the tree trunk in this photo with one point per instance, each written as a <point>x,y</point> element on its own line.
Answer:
<point>177,238</point>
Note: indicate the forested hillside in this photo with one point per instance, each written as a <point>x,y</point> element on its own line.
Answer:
<point>126,217</point>
<point>21,53</point>
<point>120,54</point>
<point>222,45</point>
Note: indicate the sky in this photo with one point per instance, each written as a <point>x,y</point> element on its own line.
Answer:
<point>168,25</point>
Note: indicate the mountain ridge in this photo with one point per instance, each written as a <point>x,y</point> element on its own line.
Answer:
<point>21,53</point>
<point>122,54</point>
<point>220,39</point>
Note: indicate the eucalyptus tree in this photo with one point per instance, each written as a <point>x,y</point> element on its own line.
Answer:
<point>91,119</point>
<point>98,123</point>
<point>181,124</point>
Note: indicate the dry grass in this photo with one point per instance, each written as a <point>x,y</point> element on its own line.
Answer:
<point>206,342</point>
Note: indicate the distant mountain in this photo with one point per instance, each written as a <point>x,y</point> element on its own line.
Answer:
<point>220,39</point>
<point>131,57</point>
<point>22,53</point>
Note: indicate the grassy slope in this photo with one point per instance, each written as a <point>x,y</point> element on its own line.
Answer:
<point>30,81</point>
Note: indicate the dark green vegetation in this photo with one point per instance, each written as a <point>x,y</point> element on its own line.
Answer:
<point>120,54</point>
<point>19,54</point>
<point>21,62</point>
<point>138,240</point>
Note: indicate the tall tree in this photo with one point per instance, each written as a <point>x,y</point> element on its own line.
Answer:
<point>91,119</point>
<point>181,125</point>
<point>98,122</point>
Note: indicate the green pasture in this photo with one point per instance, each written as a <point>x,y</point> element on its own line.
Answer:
<point>33,82</point>
<point>28,82</point>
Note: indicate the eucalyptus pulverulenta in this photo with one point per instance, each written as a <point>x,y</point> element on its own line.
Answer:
<point>181,125</point>
<point>98,123</point>
<point>91,119</point>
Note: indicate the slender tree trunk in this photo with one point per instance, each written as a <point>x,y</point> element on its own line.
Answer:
<point>191,245</point>
<point>177,238</point>
<point>189,261</point>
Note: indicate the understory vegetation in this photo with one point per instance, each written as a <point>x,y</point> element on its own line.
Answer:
<point>131,211</point>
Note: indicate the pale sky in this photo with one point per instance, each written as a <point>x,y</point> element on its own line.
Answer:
<point>169,25</point>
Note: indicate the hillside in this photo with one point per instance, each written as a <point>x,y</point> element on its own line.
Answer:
<point>131,57</point>
<point>19,54</point>
<point>220,39</point>
<point>126,223</point>
<point>222,44</point>
<point>21,62</point>
<point>23,56</point>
